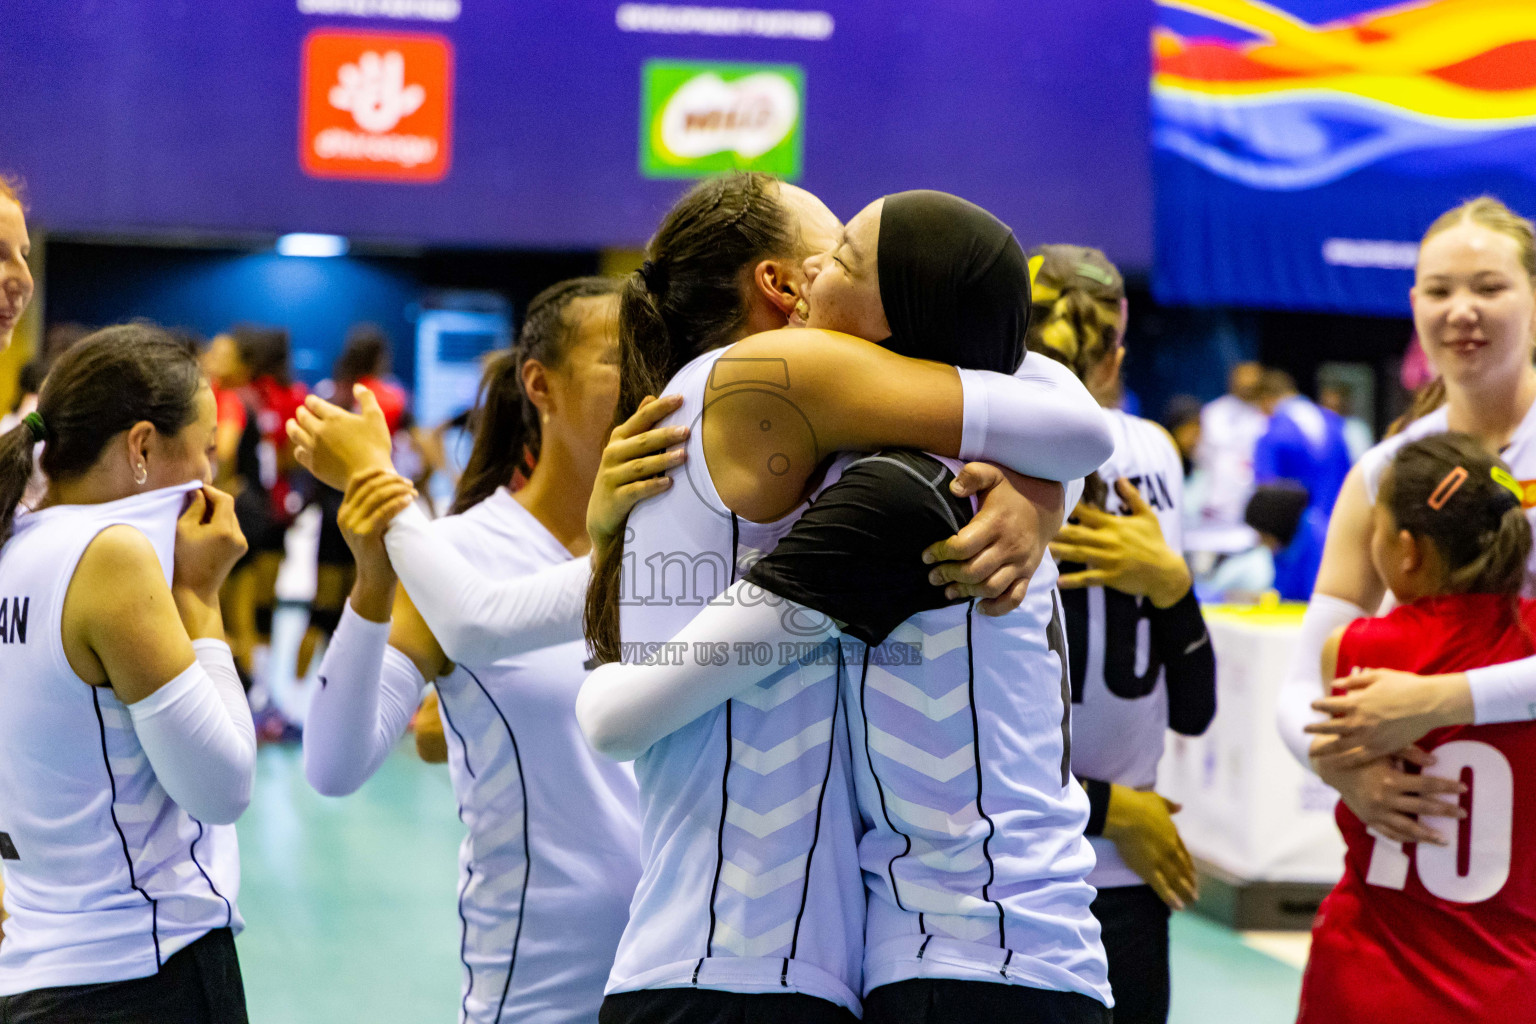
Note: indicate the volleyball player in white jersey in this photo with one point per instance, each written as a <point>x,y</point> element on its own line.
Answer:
<point>951,281</point>
<point>1474,308</point>
<point>1141,661</point>
<point>552,854</point>
<point>126,745</point>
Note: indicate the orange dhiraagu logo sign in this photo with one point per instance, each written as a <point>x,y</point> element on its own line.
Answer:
<point>376,107</point>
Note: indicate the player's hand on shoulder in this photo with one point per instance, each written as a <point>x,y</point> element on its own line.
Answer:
<point>994,556</point>
<point>634,467</point>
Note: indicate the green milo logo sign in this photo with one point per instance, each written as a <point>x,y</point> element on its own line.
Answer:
<point>699,118</point>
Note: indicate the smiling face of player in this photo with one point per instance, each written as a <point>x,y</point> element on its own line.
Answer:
<point>15,276</point>
<point>1474,306</point>
<point>843,281</point>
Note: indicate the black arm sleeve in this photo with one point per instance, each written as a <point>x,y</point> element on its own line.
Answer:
<point>856,553</point>
<point>1181,640</point>
<point>1098,805</point>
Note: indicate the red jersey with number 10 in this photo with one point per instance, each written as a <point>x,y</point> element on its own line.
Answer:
<point>1420,934</point>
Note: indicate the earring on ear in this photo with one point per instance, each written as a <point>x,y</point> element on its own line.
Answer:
<point>802,310</point>
<point>140,474</point>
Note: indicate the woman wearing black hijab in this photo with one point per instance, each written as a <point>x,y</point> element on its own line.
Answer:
<point>973,852</point>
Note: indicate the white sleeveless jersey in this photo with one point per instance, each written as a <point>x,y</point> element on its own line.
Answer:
<point>1118,683</point>
<point>552,857</point>
<point>1519,455</point>
<point>105,876</point>
<point>973,852</point>
<point>750,875</point>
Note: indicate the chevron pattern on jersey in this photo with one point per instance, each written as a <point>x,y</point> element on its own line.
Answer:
<point>915,818</point>
<point>940,769</point>
<point>919,739</point>
<point>755,885</point>
<point>780,741</point>
<point>766,762</point>
<point>928,900</point>
<point>937,707</point>
<point>772,692</point>
<point>773,942</point>
<point>980,928</point>
<point>761,826</point>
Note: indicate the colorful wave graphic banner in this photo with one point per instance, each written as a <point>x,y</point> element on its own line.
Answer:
<point>1295,106</point>
<point>1258,96</point>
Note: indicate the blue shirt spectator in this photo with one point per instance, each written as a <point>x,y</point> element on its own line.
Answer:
<point>1304,443</point>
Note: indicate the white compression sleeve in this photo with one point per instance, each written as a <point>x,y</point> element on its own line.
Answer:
<point>1504,693</point>
<point>368,692</point>
<point>623,708</point>
<point>197,732</point>
<point>1305,684</point>
<point>476,619</point>
<point>1040,422</point>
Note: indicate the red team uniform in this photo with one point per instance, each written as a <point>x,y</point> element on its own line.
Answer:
<point>1417,934</point>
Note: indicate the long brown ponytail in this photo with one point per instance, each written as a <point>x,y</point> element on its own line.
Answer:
<point>111,380</point>
<point>507,436</point>
<point>687,299</point>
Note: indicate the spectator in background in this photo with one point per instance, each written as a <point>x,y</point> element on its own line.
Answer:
<point>237,471</point>
<point>268,502</point>
<point>1230,427</point>
<point>1181,418</point>
<point>1282,556</point>
<point>1304,443</point>
<point>1340,398</point>
<point>29,381</point>
<point>15,276</point>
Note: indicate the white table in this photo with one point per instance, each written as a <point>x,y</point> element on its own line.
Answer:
<point>1249,808</point>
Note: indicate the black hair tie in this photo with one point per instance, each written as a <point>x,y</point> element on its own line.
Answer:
<point>654,274</point>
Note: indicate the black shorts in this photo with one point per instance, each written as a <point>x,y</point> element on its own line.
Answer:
<point>947,1001</point>
<point>1135,925</point>
<point>199,985</point>
<point>708,1006</point>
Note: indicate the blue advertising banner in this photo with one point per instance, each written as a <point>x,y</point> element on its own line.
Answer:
<point>1302,147</point>
<point>568,123</point>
